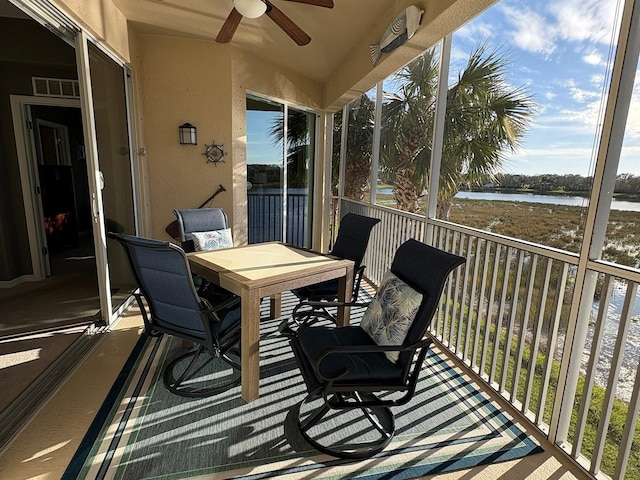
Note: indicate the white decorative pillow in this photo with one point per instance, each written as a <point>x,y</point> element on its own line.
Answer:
<point>212,240</point>
<point>391,312</point>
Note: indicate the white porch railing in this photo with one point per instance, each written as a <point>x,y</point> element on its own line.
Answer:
<point>505,313</point>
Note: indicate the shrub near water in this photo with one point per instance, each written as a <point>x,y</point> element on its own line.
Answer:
<point>558,226</point>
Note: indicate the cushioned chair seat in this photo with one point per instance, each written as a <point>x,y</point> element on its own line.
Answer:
<point>364,368</point>
<point>319,291</point>
<point>228,318</point>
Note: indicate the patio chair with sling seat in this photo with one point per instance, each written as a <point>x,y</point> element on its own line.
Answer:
<point>355,374</point>
<point>351,244</point>
<point>175,307</point>
<point>205,229</point>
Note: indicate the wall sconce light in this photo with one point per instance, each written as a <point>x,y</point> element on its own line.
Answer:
<point>188,134</point>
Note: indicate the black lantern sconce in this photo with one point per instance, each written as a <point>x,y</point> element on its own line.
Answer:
<point>188,134</point>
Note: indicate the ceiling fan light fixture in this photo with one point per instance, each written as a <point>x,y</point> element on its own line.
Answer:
<point>250,8</point>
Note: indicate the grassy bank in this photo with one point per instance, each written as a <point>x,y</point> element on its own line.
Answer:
<point>558,226</point>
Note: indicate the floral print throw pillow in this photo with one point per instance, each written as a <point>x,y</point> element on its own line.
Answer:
<point>391,312</point>
<point>212,240</point>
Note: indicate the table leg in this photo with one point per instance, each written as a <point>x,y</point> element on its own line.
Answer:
<point>275,306</point>
<point>250,342</point>
<point>345,287</point>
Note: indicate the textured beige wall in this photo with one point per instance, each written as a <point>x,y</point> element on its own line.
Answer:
<point>102,19</point>
<point>198,81</point>
<point>183,80</point>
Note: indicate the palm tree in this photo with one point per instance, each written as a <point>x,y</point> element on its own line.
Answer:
<point>358,148</point>
<point>485,118</point>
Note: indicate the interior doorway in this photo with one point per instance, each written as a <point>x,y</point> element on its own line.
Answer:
<point>64,189</point>
<point>57,207</point>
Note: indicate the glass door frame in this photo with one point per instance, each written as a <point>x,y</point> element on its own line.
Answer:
<point>95,180</point>
<point>313,185</point>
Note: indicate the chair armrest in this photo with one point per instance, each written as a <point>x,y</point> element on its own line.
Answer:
<point>230,302</point>
<point>311,303</point>
<point>360,349</point>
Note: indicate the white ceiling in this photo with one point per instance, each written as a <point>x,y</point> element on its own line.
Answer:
<point>334,32</point>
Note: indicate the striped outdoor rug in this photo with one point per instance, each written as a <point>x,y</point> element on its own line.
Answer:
<point>144,432</point>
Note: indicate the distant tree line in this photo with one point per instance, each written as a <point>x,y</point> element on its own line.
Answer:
<point>627,183</point>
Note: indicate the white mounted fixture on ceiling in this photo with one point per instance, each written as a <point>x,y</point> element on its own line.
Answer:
<point>257,8</point>
<point>250,8</point>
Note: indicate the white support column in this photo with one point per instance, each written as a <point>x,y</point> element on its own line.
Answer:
<point>343,149</point>
<point>615,120</point>
<point>285,176</point>
<point>327,169</point>
<point>375,152</point>
<point>438,134</point>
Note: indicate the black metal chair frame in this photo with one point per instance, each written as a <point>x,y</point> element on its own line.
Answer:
<point>351,243</point>
<point>336,393</point>
<point>207,341</point>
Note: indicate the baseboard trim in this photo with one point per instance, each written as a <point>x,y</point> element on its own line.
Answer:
<point>17,281</point>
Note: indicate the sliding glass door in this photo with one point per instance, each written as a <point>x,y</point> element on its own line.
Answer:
<point>115,166</point>
<point>280,165</point>
<point>105,116</point>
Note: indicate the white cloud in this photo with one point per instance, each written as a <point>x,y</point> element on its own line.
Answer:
<point>579,94</point>
<point>593,58</point>
<point>539,31</point>
<point>580,20</point>
<point>588,115</point>
<point>632,131</point>
<point>530,30</point>
<point>475,30</point>
<point>597,80</point>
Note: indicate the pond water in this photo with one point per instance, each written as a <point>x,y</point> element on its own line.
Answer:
<point>537,198</point>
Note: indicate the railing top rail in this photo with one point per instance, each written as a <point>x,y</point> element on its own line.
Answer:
<point>394,211</point>
<point>554,253</point>
<point>615,270</point>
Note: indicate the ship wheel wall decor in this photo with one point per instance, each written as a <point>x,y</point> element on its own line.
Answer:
<point>257,8</point>
<point>215,153</point>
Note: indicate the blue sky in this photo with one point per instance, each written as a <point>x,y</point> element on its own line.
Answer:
<point>260,147</point>
<point>559,51</point>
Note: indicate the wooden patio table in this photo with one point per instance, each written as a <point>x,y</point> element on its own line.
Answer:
<point>266,270</point>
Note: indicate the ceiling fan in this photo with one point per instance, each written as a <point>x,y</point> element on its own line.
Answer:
<point>257,8</point>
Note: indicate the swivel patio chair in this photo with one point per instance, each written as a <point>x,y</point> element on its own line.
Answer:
<point>355,374</point>
<point>205,229</point>
<point>351,243</point>
<point>164,279</point>
<point>200,221</point>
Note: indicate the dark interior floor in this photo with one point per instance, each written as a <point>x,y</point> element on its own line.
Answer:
<point>68,297</point>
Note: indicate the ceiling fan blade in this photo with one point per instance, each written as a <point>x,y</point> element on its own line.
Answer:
<point>286,24</point>
<point>229,27</point>
<point>317,3</point>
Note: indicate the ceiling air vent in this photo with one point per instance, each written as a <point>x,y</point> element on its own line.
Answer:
<point>55,87</point>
